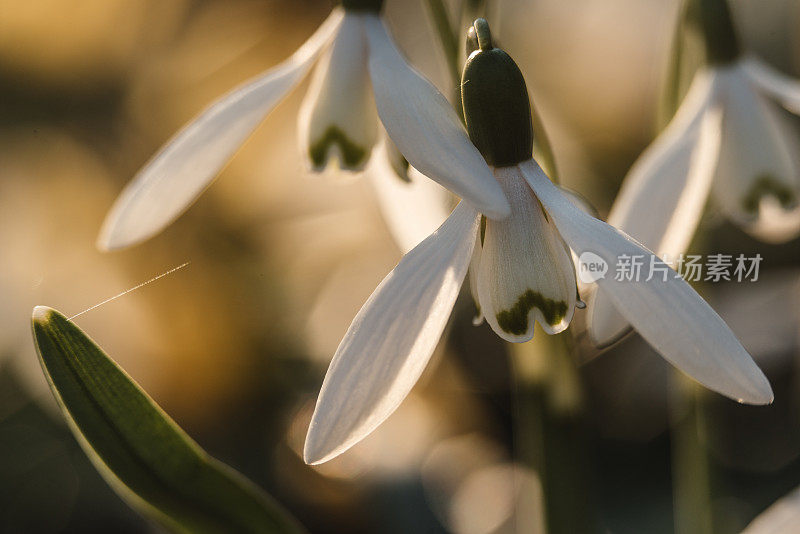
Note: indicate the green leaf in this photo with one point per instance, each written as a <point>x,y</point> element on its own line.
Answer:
<point>142,453</point>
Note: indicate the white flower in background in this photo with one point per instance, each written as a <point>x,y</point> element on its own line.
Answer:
<point>726,140</point>
<point>357,65</point>
<point>523,272</point>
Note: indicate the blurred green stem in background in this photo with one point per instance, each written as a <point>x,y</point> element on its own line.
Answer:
<point>704,34</point>
<point>686,56</point>
<point>691,470</point>
<point>549,434</point>
<point>447,37</point>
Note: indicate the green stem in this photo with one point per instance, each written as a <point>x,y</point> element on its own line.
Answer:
<point>549,437</point>
<point>691,470</point>
<point>475,8</point>
<point>528,413</point>
<point>447,37</point>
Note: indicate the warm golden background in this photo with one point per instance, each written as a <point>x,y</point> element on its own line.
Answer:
<point>234,346</point>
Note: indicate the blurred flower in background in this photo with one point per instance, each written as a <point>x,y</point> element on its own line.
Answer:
<point>726,137</point>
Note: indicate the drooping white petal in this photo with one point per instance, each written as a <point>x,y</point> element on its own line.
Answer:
<point>777,85</point>
<point>338,114</point>
<point>662,199</point>
<point>780,518</point>
<point>758,160</point>
<point>526,273</point>
<point>425,127</point>
<point>391,339</point>
<point>190,161</point>
<point>669,314</point>
<point>412,208</point>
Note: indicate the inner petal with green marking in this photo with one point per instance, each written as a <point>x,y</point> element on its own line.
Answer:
<point>756,181</point>
<point>515,319</point>
<point>526,274</point>
<point>767,186</point>
<point>338,119</point>
<point>334,140</point>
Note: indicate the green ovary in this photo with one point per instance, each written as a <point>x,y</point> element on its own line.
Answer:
<point>766,185</point>
<point>353,156</point>
<point>515,320</point>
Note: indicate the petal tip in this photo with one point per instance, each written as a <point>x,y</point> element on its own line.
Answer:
<point>42,314</point>
<point>761,396</point>
<point>310,459</point>
<point>108,240</point>
<point>498,210</point>
<point>314,453</point>
<point>105,244</point>
<point>112,238</point>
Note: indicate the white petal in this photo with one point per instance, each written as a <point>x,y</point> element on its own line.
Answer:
<point>669,314</point>
<point>412,208</point>
<point>780,518</point>
<point>673,175</point>
<point>190,161</point>
<point>662,199</point>
<point>391,339</point>
<point>426,129</point>
<point>526,272</point>
<point>757,158</point>
<point>338,114</point>
<point>779,86</point>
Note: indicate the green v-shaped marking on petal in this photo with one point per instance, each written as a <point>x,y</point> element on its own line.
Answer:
<point>766,185</point>
<point>515,320</point>
<point>353,155</point>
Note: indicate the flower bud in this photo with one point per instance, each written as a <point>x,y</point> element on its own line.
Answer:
<point>496,106</point>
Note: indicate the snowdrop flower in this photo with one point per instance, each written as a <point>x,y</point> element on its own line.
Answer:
<point>357,67</point>
<point>523,272</point>
<point>726,140</point>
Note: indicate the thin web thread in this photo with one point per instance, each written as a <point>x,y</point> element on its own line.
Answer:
<point>162,275</point>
